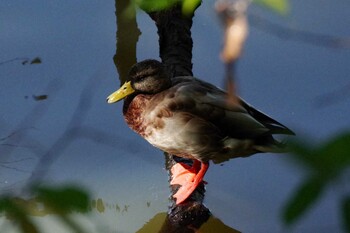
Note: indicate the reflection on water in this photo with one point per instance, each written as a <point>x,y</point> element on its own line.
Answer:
<point>159,223</point>
<point>100,206</point>
<point>162,224</point>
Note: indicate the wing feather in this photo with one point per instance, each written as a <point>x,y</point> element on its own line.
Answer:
<point>210,103</point>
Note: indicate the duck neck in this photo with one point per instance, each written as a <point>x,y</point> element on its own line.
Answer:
<point>127,102</point>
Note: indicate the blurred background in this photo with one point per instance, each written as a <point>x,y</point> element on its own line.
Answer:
<point>56,70</point>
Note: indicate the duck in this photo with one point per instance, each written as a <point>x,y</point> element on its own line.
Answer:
<point>192,119</point>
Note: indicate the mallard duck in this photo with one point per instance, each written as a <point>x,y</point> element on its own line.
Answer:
<point>190,118</point>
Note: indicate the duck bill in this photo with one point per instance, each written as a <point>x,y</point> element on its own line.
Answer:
<point>123,91</point>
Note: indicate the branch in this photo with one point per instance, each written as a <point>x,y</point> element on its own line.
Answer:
<point>175,46</point>
<point>307,37</point>
<point>175,41</point>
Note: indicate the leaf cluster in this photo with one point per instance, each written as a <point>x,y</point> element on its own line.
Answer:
<point>189,6</point>
<point>325,164</point>
<point>61,201</point>
<point>279,6</point>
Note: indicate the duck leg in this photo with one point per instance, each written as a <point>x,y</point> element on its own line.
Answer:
<point>189,177</point>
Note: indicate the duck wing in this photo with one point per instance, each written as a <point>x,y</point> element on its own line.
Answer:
<point>211,104</point>
<point>274,126</point>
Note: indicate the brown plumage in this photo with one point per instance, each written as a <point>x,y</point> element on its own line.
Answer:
<point>191,118</point>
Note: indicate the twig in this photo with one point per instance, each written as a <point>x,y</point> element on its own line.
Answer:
<point>233,16</point>
<point>312,38</point>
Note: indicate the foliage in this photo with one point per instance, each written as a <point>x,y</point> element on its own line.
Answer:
<point>346,213</point>
<point>325,163</point>
<point>155,5</point>
<point>189,6</point>
<point>60,201</point>
<point>279,6</point>
<point>63,200</point>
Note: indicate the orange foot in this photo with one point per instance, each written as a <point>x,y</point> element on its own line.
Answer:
<point>188,177</point>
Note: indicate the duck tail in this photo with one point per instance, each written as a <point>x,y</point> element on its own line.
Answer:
<point>274,126</point>
<point>271,145</point>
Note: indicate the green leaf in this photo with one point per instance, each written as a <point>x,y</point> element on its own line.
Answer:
<point>155,5</point>
<point>63,200</point>
<point>189,6</point>
<point>306,195</point>
<point>327,160</point>
<point>303,153</point>
<point>346,214</point>
<point>27,225</point>
<point>16,212</point>
<point>279,6</point>
<point>336,153</point>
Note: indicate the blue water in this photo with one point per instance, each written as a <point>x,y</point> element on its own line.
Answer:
<point>76,43</point>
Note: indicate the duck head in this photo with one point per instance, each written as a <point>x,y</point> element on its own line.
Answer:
<point>146,77</point>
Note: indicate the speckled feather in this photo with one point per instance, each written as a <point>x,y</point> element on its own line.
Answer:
<point>193,119</point>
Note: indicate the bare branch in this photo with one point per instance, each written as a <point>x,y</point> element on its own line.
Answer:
<point>312,38</point>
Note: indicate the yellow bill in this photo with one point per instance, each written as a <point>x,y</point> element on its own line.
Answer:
<point>123,91</point>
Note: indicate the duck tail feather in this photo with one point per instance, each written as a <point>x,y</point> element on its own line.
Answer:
<point>274,146</point>
<point>274,126</point>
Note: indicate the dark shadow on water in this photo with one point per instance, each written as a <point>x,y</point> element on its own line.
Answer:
<point>162,223</point>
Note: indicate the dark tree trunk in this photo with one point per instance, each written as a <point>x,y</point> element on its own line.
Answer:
<point>175,48</point>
